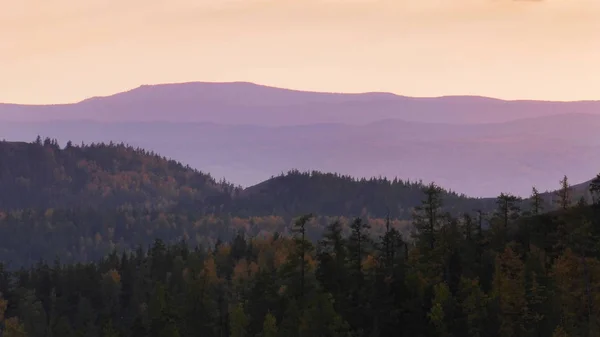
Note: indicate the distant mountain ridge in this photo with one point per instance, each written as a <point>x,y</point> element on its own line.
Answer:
<point>247,103</point>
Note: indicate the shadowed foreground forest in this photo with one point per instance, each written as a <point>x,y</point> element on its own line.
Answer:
<point>155,266</point>
<point>539,276</point>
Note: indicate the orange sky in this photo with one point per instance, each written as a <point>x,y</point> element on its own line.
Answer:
<point>66,50</point>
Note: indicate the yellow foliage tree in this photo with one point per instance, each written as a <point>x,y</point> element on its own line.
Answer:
<point>509,290</point>
<point>577,282</point>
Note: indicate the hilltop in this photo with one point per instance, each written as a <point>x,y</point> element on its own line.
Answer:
<point>42,175</point>
<point>333,194</point>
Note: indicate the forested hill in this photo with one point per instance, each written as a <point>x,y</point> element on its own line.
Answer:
<point>42,175</point>
<point>333,194</point>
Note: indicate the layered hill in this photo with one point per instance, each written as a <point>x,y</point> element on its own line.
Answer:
<point>43,175</point>
<point>480,160</point>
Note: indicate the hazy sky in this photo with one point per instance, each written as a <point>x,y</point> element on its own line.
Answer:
<point>54,51</point>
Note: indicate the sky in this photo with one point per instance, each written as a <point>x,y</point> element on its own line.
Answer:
<point>63,51</point>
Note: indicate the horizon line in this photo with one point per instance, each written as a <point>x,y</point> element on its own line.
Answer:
<point>389,93</point>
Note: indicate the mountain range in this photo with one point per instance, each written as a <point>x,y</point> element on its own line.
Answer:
<point>247,132</point>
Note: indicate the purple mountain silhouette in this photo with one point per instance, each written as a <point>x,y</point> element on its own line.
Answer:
<point>247,103</point>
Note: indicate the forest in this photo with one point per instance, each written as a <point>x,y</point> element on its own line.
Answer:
<point>42,175</point>
<point>107,240</point>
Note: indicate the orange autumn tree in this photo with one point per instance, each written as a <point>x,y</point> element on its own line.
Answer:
<point>12,326</point>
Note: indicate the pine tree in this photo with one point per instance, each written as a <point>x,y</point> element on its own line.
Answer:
<point>358,244</point>
<point>290,323</point>
<point>564,194</point>
<point>508,208</point>
<point>537,204</point>
<point>427,218</point>
<point>302,248</point>
<point>391,245</point>
<point>331,270</point>
<point>595,189</point>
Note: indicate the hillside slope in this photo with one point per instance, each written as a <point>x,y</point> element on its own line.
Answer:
<point>42,175</point>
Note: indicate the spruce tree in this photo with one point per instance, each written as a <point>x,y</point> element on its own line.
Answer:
<point>564,194</point>
<point>302,245</point>
<point>537,203</point>
<point>427,218</point>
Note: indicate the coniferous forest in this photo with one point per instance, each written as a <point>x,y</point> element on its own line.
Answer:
<point>107,240</point>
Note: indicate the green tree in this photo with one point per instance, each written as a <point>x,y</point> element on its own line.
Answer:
<point>303,246</point>
<point>509,292</point>
<point>427,218</point>
<point>290,323</point>
<point>392,246</point>
<point>438,314</point>
<point>33,315</point>
<point>595,189</point>
<point>508,208</point>
<point>474,305</point>
<point>269,326</point>
<point>109,330</point>
<point>358,244</point>
<point>564,194</point>
<point>331,270</point>
<point>320,319</point>
<point>238,321</point>
<point>161,315</point>
<point>537,203</point>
